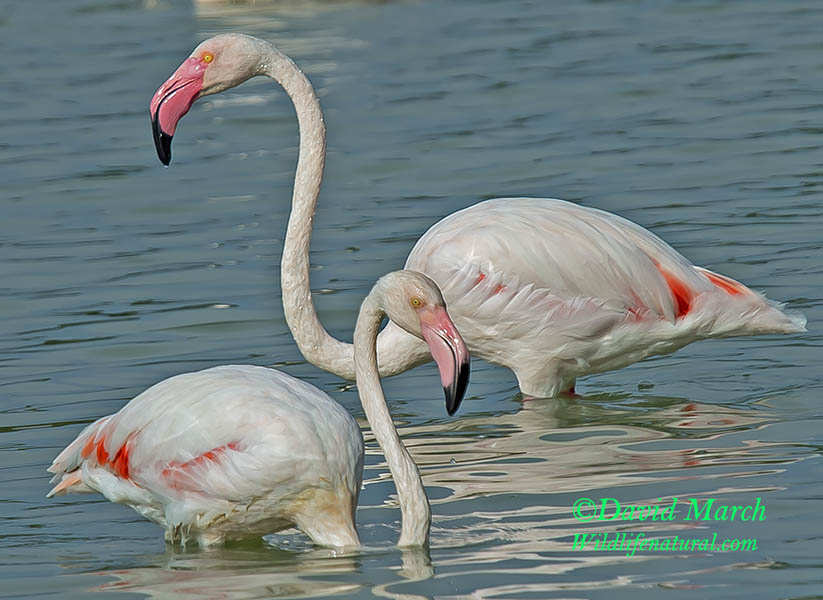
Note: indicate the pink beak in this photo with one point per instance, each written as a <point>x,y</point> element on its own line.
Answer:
<point>449,352</point>
<point>173,100</point>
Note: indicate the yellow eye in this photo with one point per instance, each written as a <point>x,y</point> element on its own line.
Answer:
<point>416,302</point>
<point>207,57</point>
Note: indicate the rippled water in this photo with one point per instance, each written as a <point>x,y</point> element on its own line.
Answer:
<point>699,120</point>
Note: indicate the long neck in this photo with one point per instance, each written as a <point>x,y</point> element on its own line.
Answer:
<point>316,344</point>
<point>414,504</point>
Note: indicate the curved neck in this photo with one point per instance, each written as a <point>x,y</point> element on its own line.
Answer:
<point>316,344</point>
<point>414,504</point>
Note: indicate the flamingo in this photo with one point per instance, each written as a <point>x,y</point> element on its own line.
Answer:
<point>550,289</point>
<point>240,450</point>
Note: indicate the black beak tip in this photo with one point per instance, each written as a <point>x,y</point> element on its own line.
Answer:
<point>457,390</point>
<point>162,142</point>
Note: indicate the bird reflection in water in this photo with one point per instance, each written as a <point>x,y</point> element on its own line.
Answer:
<point>260,571</point>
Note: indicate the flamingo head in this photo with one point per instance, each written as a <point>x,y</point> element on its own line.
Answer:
<point>414,302</point>
<point>217,64</point>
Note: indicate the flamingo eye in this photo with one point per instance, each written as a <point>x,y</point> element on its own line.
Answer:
<point>207,57</point>
<point>416,302</point>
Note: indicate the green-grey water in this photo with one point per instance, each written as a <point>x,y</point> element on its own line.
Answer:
<point>699,120</point>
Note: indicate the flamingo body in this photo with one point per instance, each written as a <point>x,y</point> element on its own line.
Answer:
<point>555,291</point>
<point>225,453</point>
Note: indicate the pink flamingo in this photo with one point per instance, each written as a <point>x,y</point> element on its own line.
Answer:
<point>241,450</point>
<point>547,288</point>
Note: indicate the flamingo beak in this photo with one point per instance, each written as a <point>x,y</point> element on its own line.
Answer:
<point>172,101</point>
<point>449,352</point>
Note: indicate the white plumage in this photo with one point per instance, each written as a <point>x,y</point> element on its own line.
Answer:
<point>221,453</point>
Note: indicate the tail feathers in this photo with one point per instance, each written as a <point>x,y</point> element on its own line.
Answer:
<point>70,483</point>
<point>71,456</point>
<point>67,466</point>
<point>771,317</point>
<point>743,311</point>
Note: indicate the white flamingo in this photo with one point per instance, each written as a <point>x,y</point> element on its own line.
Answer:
<point>547,288</point>
<point>242,450</point>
